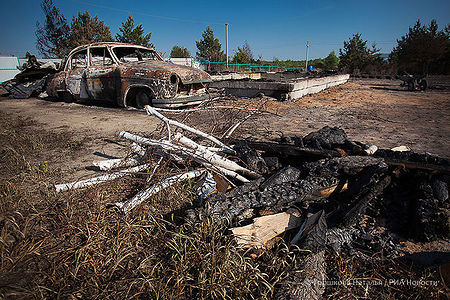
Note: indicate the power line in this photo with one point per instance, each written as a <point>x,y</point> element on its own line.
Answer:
<point>145,14</point>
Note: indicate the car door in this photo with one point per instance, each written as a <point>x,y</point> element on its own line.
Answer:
<point>101,74</point>
<point>76,74</point>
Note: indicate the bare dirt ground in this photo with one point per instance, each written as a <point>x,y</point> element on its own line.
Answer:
<point>94,127</point>
<point>379,112</point>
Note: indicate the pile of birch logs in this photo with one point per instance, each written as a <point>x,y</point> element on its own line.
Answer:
<point>176,147</point>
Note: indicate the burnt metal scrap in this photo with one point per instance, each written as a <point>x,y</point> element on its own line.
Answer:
<point>31,81</point>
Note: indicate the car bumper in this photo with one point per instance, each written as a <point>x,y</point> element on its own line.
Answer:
<point>182,101</point>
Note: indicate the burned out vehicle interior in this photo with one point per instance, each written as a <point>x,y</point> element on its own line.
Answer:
<point>127,75</point>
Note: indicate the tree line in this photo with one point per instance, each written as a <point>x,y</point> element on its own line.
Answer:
<point>424,49</point>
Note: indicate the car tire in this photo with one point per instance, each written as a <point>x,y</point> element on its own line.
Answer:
<point>143,99</point>
<point>66,97</point>
<point>423,84</point>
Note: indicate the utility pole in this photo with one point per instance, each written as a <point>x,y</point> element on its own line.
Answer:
<point>226,32</point>
<point>307,49</point>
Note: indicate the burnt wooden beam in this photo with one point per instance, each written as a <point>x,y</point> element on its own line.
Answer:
<point>418,165</point>
<point>290,150</point>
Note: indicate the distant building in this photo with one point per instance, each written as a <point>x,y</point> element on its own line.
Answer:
<point>9,67</point>
<point>384,56</point>
<point>190,62</point>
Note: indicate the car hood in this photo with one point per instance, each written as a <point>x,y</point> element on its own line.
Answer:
<point>187,74</point>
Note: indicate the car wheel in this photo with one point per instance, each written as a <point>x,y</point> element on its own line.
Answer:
<point>423,84</point>
<point>66,97</point>
<point>142,99</point>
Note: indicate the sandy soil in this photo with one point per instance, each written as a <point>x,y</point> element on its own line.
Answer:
<point>371,111</point>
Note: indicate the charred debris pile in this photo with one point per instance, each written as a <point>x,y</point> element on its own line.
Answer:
<point>32,81</point>
<point>318,193</point>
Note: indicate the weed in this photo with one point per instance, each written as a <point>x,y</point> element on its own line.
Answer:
<point>42,167</point>
<point>74,144</point>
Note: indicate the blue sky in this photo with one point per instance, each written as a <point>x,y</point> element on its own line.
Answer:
<point>271,28</point>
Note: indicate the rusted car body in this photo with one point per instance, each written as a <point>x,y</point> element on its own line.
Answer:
<point>128,75</point>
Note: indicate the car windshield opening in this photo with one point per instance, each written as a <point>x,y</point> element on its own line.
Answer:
<point>129,54</point>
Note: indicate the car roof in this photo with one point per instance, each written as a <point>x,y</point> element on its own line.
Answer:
<point>111,44</point>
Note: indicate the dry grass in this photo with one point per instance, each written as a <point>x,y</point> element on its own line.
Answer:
<point>378,277</point>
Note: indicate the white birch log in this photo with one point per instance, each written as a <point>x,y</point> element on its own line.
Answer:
<point>154,189</point>
<point>100,179</point>
<point>110,164</point>
<point>138,149</point>
<point>224,171</point>
<point>173,156</point>
<point>151,111</point>
<point>212,157</point>
<point>197,156</point>
<point>196,153</point>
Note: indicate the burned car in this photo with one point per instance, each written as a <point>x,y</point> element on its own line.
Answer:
<point>128,75</point>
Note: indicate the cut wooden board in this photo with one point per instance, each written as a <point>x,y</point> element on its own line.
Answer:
<point>263,229</point>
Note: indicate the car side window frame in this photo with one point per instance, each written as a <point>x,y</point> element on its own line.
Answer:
<point>70,61</point>
<point>106,50</point>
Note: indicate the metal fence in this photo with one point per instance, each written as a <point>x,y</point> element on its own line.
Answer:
<point>222,66</point>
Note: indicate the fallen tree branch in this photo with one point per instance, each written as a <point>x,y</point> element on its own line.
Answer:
<point>230,130</point>
<point>154,169</point>
<point>138,149</point>
<point>202,108</point>
<point>214,158</point>
<point>154,189</point>
<point>151,111</point>
<point>100,179</point>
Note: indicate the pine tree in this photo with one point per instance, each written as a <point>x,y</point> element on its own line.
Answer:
<point>331,61</point>
<point>243,55</point>
<point>133,35</point>
<point>85,30</point>
<point>356,54</point>
<point>209,47</point>
<point>181,52</point>
<point>423,49</point>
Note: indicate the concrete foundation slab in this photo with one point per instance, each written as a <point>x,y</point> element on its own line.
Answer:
<point>274,85</point>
